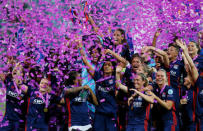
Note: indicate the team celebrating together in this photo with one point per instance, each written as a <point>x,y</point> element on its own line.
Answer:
<point>105,86</point>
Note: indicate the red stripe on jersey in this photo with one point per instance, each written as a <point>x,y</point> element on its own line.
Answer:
<point>174,118</point>
<point>168,75</point>
<point>49,77</point>
<point>198,126</point>
<point>201,74</point>
<point>118,122</point>
<point>27,113</point>
<point>69,112</point>
<point>147,118</point>
<point>194,105</point>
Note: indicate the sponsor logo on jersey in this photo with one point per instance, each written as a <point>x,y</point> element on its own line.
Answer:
<point>173,73</point>
<point>105,89</point>
<point>175,66</point>
<point>137,104</point>
<point>13,94</point>
<point>38,101</point>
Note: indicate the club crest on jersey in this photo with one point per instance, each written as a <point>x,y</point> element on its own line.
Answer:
<point>170,91</point>
<point>201,93</point>
<point>175,66</point>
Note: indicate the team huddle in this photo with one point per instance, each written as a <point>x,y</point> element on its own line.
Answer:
<point>107,87</point>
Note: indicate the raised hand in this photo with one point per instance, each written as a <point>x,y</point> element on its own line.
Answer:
<point>145,49</point>
<point>106,51</point>
<point>181,44</point>
<point>119,69</point>
<point>158,32</point>
<point>130,100</point>
<point>86,87</point>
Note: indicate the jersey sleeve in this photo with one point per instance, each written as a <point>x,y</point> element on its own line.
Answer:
<point>199,82</point>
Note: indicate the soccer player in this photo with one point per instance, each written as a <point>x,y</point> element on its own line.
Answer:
<point>76,97</point>
<point>194,52</point>
<point>139,104</point>
<point>164,103</point>
<point>38,104</point>
<point>14,118</point>
<point>198,87</point>
<point>105,114</point>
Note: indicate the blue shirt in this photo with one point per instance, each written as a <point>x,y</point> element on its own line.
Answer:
<point>105,93</point>
<point>139,111</point>
<point>15,103</point>
<point>128,77</point>
<point>199,63</point>
<point>77,108</point>
<point>199,104</point>
<point>176,70</point>
<point>188,110</point>
<point>165,95</point>
<point>36,105</point>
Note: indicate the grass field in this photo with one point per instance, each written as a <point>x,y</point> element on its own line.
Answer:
<point>2,103</point>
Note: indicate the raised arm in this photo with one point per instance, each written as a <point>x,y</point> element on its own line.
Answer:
<point>118,81</point>
<point>73,90</point>
<point>166,104</point>
<point>194,71</point>
<point>2,76</point>
<point>90,69</point>
<point>92,98</point>
<point>147,98</point>
<point>95,28</point>
<point>118,57</point>
<point>156,35</point>
<point>160,52</point>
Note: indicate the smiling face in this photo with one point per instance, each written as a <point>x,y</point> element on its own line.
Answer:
<point>44,85</point>
<point>192,48</point>
<point>108,67</point>
<point>17,74</point>
<point>138,82</point>
<point>95,55</point>
<point>118,37</point>
<point>161,78</point>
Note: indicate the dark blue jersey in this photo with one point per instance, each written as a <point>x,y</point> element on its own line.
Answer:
<point>139,112</point>
<point>14,102</point>
<point>198,61</point>
<point>77,108</point>
<point>199,87</point>
<point>166,94</point>
<point>128,77</point>
<point>188,110</point>
<point>122,49</point>
<point>36,105</point>
<point>105,93</point>
<point>176,70</point>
